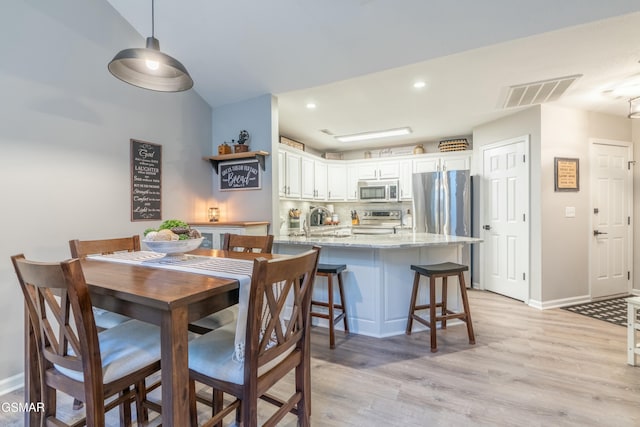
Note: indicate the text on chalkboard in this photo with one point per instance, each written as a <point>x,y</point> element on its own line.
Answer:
<point>239,175</point>
<point>146,181</point>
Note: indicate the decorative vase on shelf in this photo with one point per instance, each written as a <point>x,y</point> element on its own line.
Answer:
<point>418,149</point>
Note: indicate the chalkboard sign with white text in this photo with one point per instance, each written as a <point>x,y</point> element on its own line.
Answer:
<point>146,181</point>
<point>239,175</point>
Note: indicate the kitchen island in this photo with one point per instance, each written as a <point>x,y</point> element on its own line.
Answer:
<point>378,279</point>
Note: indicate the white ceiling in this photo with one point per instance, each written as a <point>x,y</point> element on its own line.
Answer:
<point>357,59</point>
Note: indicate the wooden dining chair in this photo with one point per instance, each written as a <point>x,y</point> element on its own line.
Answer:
<point>244,243</point>
<point>240,243</point>
<point>246,361</point>
<point>83,248</point>
<point>72,357</point>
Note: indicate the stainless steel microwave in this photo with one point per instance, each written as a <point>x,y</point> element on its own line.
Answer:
<point>378,191</point>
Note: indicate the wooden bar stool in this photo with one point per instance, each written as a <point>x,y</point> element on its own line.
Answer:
<point>328,271</point>
<point>443,270</point>
<point>633,326</point>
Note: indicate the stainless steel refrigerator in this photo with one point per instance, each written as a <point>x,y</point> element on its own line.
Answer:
<point>442,205</point>
<point>442,202</point>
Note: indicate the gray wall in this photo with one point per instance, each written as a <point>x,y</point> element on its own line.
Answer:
<point>65,125</point>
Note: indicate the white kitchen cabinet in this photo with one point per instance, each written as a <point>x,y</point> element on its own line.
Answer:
<point>406,172</point>
<point>367,170</point>
<point>336,179</point>
<point>379,169</point>
<point>314,179</point>
<point>457,160</point>
<point>352,182</point>
<point>426,164</point>
<point>290,184</point>
<point>308,190</point>
<point>320,179</point>
<point>213,233</point>
<point>389,169</point>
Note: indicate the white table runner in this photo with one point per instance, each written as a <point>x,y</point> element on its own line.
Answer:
<point>228,268</point>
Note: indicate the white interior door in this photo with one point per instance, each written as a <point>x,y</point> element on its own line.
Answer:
<point>505,218</point>
<point>611,186</point>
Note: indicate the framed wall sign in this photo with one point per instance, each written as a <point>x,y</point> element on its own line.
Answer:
<point>239,175</point>
<point>146,181</point>
<point>567,174</point>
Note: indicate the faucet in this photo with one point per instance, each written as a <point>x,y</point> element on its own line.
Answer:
<point>307,223</point>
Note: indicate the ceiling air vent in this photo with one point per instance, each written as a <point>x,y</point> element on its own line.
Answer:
<point>538,92</point>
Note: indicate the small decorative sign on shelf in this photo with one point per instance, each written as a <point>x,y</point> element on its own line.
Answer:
<point>239,175</point>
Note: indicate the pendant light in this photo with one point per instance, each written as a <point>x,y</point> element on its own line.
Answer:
<point>149,68</point>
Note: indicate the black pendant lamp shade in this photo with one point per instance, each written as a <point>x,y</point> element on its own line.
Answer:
<point>149,68</point>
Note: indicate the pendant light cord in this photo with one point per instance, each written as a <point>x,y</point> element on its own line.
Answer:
<point>153,33</point>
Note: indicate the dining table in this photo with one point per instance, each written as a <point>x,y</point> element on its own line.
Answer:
<point>169,294</point>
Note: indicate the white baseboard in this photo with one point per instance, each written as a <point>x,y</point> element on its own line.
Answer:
<point>10,384</point>
<point>564,302</point>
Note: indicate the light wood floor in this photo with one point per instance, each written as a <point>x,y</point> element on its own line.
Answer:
<point>528,368</point>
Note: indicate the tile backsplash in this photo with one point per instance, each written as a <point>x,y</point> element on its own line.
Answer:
<point>343,209</point>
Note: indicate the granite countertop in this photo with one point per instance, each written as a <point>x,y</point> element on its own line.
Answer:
<point>378,241</point>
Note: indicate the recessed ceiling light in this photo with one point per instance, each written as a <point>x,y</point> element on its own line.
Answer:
<point>419,84</point>
<point>311,105</point>
<point>374,135</point>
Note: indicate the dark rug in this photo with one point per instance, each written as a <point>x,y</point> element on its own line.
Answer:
<point>612,310</point>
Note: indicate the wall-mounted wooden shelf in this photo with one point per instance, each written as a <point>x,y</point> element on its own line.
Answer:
<point>215,160</point>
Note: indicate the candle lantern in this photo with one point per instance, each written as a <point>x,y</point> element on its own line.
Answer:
<point>214,214</point>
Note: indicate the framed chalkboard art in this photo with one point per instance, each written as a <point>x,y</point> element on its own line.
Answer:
<point>240,175</point>
<point>146,181</point>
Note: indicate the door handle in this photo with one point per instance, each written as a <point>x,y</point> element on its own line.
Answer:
<point>486,227</point>
<point>596,232</point>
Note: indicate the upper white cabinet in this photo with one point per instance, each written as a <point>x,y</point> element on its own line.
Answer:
<point>379,169</point>
<point>308,190</point>
<point>426,164</point>
<point>352,181</point>
<point>314,179</point>
<point>406,172</point>
<point>336,179</point>
<point>320,179</point>
<point>289,175</point>
<point>458,160</point>
<point>304,176</point>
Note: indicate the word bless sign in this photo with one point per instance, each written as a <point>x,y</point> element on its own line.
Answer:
<point>240,175</point>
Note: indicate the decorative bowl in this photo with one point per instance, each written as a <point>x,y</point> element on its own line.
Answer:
<point>173,247</point>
